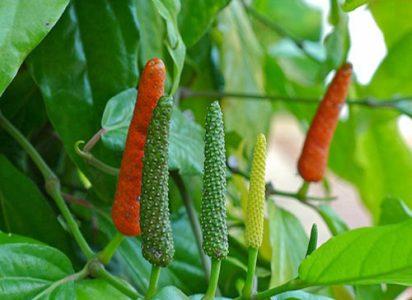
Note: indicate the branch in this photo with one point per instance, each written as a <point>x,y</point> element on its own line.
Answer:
<point>368,101</point>
<point>52,184</point>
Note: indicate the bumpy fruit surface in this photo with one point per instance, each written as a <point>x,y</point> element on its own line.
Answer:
<point>213,217</point>
<point>314,158</point>
<point>256,200</point>
<point>126,205</point>
<point>157,240</point>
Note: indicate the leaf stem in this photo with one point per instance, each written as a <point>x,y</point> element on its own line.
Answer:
<point>52,184</point>
<point>107,253</point>
<point>301,194</point>
<point>368,101</point>
<point>25,144</point>
<point>98,164</point>
<point>213,282</point>
<point>77,276</point>
<point>194,221</point>
<point>248,289</point>
<point>154,278</point>
<point>90,144</point>
<point>118,284</point>
<point>53,188</point>
<point>294,284</point>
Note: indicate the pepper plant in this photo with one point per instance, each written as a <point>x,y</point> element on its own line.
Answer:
<point>78,139</point>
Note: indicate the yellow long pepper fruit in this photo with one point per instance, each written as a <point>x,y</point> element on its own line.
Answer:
<point>256,199</point>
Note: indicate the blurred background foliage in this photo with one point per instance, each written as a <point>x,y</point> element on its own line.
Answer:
<point>72,67</point>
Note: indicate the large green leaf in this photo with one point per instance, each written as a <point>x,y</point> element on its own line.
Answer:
<point>170,293</point>
<point>97,289</point>
<point>393,211</point>
<point>9,238</point>
<point>186,137</point>
<point>195,17</point>
<point>19,34</point>
<point>169,10</point>
<point>25,211</point>
<point>299,295</point>
<point>90,56</point>
<point>362,256</point>
<point>241,62</point>
<point>298,18</point>
<point>289,243</point>
<point>185,272</point>
<point>28,271</point>
<point>394,71</point>
<point>392,17</point>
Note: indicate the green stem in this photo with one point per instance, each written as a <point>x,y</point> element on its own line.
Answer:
<point>77,276</point>
<point>90,159</point>
<point>368,102</point>
<point>248,289</point>
<point>118,284</point>
<point>106,254</point>
<point>294,284</point>
<point>154,278</point>
<point>25,144</point>
<point>52,184</point>
<point>194,221</point>
<point>54,192</point>
<point>214,279</point>
<point>301,194</point>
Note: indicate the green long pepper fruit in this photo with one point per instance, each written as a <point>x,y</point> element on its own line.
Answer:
<point>213,216</point>
<point>157,240</point>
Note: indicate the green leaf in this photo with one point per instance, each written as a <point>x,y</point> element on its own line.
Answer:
<point>393,211</point>
<point>170,293</point>
<point>152,32</point>
<point>19,34</point>
<point>185,272</point>
<point>169,9</point>
<point>299,295</point>
<point>394,71</point>
<point>25,210</point>
<point>337,44</point>
<point>199,297</point>
<point>241,63</point>
<point>332,220</point>
<point>9,238</point>
<point>196,16</point>
<point>392,17</point>
<point>186,137</point>
<point>362,256</point>
<point>90,56</point>
<point>299,19</point>
<point>29,270</point>
<point>289,243</point>
<point>97,289</point>
<point>350,5</point>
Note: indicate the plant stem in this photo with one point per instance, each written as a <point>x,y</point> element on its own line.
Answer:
<point>31,151</point>
<point>90,144</point>
<point>369,102</point>
<point>294,284</point>
<point>248,288</point>
<point>214,279</point>
<point>52,184</point>
<point>90,159</point>
<point>77,276</point>
<point>301,194</point>
<point>106,254</point>
<point>194,221</point>
<point>118,284</point>
<point>54,192</point>
<point>154,278</point>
